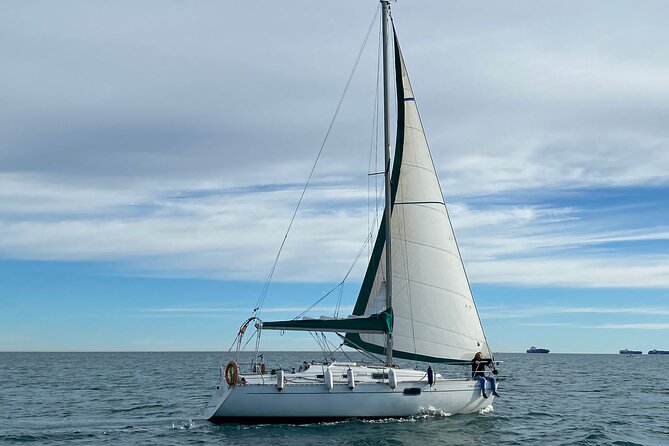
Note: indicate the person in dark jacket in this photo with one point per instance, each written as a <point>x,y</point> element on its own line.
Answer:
<point>478,373</point>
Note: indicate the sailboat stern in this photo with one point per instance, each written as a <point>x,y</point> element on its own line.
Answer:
<point>218,399</point>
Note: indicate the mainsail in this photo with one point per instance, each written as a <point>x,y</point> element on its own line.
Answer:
<point>434,315</point>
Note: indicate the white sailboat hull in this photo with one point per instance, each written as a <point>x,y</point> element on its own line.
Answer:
<point>309,402</point>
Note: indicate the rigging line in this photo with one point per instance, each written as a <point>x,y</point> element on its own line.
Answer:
<point>374,143</point>
<point>255,353</point>
<point>338,306</point>
<point>327,344</point>
<point>263,293</point>
<point>343,352</point>
<point>333,349</point>
<point>249,339</point>
<point>324,347</point>
<point>350,269</point>
<point>408,278</point>
<point>317,302</point>
<point>315,338</point>
<point>361,350</point>
<point>320,345</point>
<point>379,188</point>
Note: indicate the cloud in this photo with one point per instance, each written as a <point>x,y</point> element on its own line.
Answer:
<point>205,310</point>
<point>620,271</point>
<point>233,233</point>
<point>631,326</point>
<point>177,145</point>
<point>548,324</point>
<point>490,313</point>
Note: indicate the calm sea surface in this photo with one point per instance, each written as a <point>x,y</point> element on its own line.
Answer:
<point>158,398</point>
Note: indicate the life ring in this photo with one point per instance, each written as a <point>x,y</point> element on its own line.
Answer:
<point>231,373</point>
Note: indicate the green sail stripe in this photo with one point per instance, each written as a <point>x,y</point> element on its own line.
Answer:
<point>366,289</point>
<point>399,141</point>
<point>370,274</point>
<point>355,341</point>
<point>376,323</point>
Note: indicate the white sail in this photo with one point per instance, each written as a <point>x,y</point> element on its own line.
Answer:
<point>435,317</point>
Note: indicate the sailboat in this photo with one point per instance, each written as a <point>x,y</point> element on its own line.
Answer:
<point>415,303</point>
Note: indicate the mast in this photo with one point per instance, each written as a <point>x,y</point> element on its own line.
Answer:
<point>386,127</point>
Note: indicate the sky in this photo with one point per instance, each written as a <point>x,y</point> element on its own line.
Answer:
<point>152,154</point>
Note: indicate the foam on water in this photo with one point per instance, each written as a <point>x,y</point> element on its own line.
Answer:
<point>427,412</point>
<point>486,410</point>
<point>184,425</point>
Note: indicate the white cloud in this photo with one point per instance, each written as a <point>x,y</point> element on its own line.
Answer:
<point>181,154</point>
<point>632,326</point>
<point>548,324</point>
<point>234,234</point>
<point>607,271</point>
<point>490,313</point>
<point>204,310</point>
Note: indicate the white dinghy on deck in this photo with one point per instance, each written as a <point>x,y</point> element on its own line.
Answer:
<point>415,303</point>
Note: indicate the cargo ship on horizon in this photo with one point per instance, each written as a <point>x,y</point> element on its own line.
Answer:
<point>534,349</point>
<point>630,352</point>
<point>658,352</point>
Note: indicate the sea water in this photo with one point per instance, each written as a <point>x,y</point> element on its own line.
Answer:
<point>159,398</point>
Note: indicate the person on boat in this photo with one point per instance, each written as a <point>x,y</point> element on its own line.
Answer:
<point>478,373</point>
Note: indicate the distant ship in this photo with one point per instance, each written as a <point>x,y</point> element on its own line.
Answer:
<point>533,349</point>
<point>658,352</point>
<point>630,352</point>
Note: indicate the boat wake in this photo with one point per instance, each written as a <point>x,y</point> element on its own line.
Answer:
<point>186,425</point>
<point>424,414</point>
<point>486,410</point>
<point>432,412</point>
